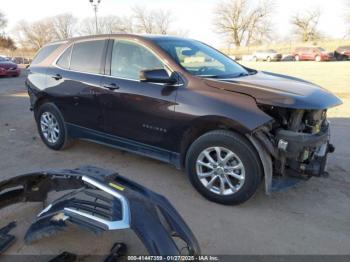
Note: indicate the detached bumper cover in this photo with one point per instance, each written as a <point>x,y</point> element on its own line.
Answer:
<point>101,200</point>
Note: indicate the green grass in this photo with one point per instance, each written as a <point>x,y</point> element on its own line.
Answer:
<point>287,48</point>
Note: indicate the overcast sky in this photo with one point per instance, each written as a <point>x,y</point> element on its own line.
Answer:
<point>194,16</point>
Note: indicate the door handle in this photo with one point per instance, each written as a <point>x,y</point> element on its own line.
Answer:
<point>57,77</point>
<point>112,86</point>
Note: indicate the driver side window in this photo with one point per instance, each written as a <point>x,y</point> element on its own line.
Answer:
<point>129,58</point>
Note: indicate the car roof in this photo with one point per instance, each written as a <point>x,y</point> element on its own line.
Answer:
<point>131,36</point>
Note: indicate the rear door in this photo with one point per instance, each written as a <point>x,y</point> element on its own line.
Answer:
<point>75,82</point>
<point>135,110</point>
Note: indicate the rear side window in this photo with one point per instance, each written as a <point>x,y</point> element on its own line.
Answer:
<point>44,53</point>
<point>64,60</point>
<point>88,56</point>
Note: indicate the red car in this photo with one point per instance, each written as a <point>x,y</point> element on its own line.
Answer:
<point>8,68</point>
<point>311,53</point>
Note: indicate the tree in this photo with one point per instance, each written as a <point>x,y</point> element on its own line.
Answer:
<point>7,43</point>
<point>36,34</point>
<point>162,20</point>
<point>63,26</point>
<point>114,24</point>
<point>242,21</point>
<point>306,25</point>
<point>3,21</point>
<point>152,21</point>
<point>87,26</point>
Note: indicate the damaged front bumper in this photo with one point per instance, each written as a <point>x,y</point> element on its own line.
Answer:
<point>289,157</point>
<point>305,154</point>
<point>101,200</point>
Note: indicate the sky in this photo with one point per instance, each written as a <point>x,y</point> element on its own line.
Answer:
<point>193,16</point>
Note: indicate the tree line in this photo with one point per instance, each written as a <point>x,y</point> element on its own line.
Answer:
<point>242,22</point>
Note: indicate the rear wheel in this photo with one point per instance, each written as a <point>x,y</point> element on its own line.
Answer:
<point>297,58</point>
<point>224,167</point>
<point>51,127</point>
<point>268,59</point>
<point>318,58</point>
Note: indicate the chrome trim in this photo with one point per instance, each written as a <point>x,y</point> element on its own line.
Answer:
<point>111,225</point>
<point>45,210</point>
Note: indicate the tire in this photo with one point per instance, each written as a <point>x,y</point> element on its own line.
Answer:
<point>255,59</point>
<point>297,58</point>
<point>318,58</point>
<point>244,158</point>
<point>49,120</point>
<point>268,59</point>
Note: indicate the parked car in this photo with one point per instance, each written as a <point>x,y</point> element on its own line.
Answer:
<point>267,55</point>
<point>317,54</point>
<point>342,53</point>
<point>20,60</point>
<point>8,68</point>
<point>182,102</point>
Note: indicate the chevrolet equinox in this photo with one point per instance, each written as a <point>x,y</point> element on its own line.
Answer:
<point>182,102</point>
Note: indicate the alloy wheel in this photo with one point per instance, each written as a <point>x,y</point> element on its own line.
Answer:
<point>49,127</point>
<point>220,170</point>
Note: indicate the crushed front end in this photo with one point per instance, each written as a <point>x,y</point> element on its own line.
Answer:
<point>298,141</point>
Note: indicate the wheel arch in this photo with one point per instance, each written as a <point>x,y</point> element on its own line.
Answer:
<point>205,124</point>
<point>40,101</point>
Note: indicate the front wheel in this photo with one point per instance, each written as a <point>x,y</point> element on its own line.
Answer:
<point>224,167</point>
<point>318,58</point>
<point>51,127</point>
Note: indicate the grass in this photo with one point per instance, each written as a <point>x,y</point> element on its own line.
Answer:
<point>287,48</point>
<point>334,76</point>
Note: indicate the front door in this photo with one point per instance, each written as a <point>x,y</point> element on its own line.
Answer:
<point>134,110</point>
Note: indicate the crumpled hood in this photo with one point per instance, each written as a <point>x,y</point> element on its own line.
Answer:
<point>279,90</point>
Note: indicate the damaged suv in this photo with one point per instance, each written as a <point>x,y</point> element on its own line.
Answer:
<point>185,103</point>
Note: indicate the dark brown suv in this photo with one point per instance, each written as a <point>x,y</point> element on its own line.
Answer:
<point>182,102</point>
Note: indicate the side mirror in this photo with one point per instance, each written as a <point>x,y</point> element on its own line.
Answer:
<point>157,76</point>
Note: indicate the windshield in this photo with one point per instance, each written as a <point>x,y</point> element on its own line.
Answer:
<point>320,48</point>
<point>200,59</point>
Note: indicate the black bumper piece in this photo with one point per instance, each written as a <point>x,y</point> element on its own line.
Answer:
<point>100,200</point>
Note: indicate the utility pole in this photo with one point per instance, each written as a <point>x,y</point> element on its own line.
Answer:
<point>95,4</point>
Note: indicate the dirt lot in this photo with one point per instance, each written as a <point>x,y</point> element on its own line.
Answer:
<point>313,218</point>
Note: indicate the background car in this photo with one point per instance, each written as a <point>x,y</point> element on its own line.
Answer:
<point>342,53</point>
<point>267,55</point>
<point>8,68</point>
<point>311,54</point>
<point>20,60</point>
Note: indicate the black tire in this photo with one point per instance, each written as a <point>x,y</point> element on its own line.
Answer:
<point>240,146</point>
<point>63,140</point>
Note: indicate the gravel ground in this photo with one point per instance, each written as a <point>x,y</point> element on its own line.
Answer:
<point>312,218</point>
